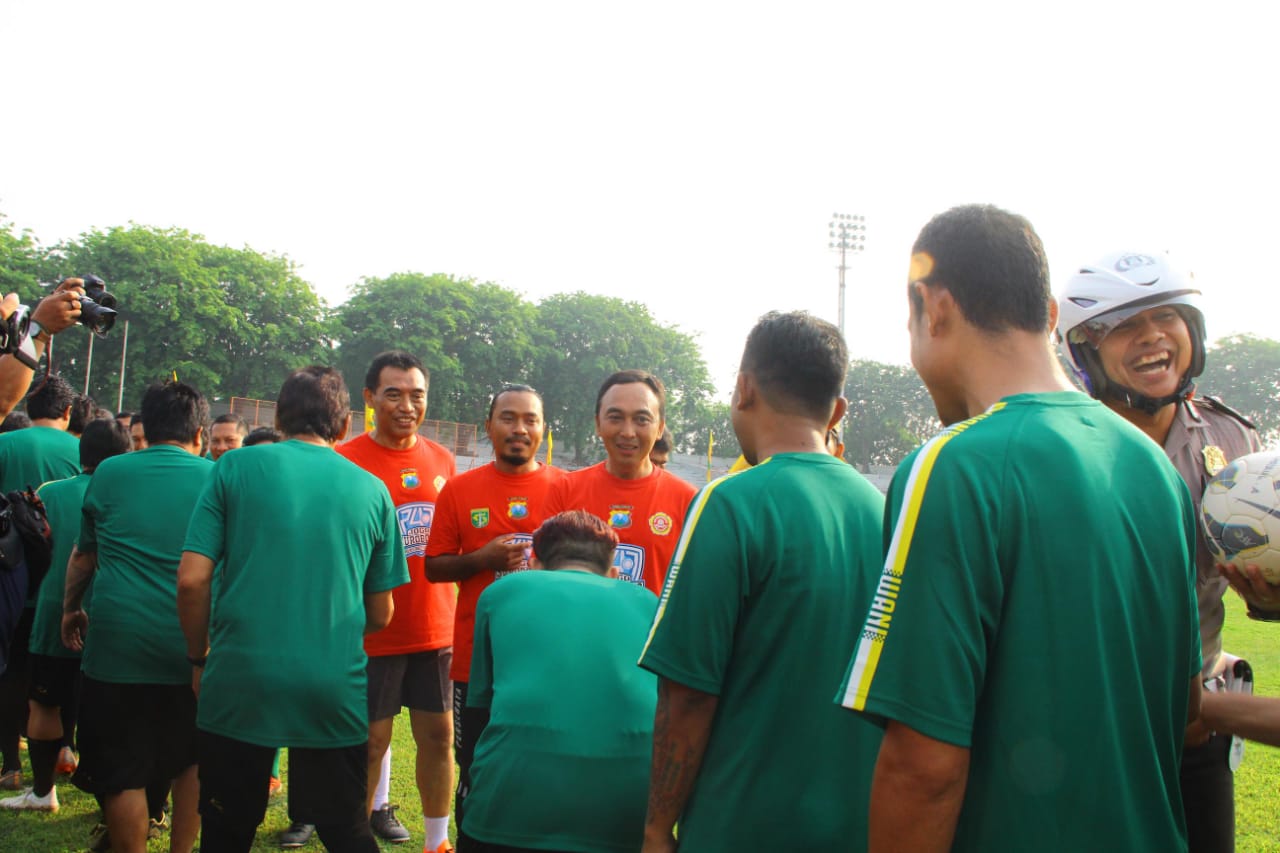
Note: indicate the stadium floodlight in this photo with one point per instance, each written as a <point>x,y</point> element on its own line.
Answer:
<point>848,235</point>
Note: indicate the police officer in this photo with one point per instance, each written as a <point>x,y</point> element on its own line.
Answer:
<point>1135,336</point>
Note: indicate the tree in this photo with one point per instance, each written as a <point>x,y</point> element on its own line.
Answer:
<point>583,338</point>
<point>890,412</point>
<point>712,419</point>
<point>21,260</point>
<point>1244,370</point>
<point>228,321</point>
<point>472,337</point>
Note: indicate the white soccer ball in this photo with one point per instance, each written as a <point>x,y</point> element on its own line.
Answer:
<point>1240,513</point>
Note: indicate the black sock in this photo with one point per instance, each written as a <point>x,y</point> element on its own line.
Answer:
<point>44,755</point>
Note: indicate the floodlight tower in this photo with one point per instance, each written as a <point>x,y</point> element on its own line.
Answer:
<point>848,234</point>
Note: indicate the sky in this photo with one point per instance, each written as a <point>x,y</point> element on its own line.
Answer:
<point>685,155</point>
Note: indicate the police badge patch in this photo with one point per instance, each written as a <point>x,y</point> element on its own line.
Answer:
<point>1214,459</point>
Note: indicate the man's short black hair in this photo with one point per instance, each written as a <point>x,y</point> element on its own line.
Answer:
<point>173,411</point>
<point>15,420</point>
<point>626,377</point>
<point>242,426</point>
<point>510,389</point>
<point>102,439</point>
<point>125,416</point>
<point>83,410</point>
<point>396,358</point>
<point>263,435</point>
<point>663,444</point>
<point>50,399</point>
<point>798,361</point>
<point>575,537</point>
<point>993,264</point>
<point>314,401</point>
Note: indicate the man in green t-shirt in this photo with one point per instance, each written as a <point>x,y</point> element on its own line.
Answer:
<point>1032,647</point>
<point>137,715</point>
<point>305,570</point>
<point>754,624</point>
<point>55,669</point>
<point>45,451</point>
<point>29,457</point>
<point>563,761</point>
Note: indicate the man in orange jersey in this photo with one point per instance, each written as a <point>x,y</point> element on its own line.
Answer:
<point>643,503</point>
<point>409,659</point>
<point>483,530</point>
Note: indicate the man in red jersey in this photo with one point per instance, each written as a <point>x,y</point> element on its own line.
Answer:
<point>409,659</point>
<point>483,530</point>
<point>643,503</point>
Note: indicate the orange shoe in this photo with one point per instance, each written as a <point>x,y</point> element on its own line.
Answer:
<point>67,762</point>
<point>274,787</point>
<point>445,847</point>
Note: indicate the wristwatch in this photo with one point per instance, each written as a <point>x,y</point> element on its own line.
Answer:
<point>198,662</point>
<point>36,330</point>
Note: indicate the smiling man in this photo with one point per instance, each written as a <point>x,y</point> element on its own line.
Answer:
<point>643,503</point>
<point>409,659</point>
<point>482,532</point>
<point>1134,333</point>
<point>227,433</point>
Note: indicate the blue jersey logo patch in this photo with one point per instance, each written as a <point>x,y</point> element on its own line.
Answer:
<point>415,526</point>
<point>629,561</point>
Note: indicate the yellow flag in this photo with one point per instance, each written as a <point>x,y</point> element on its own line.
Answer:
<point>711,443</point>
<point>551,443</point>
<point>368,419</point>
<point>175,376</point>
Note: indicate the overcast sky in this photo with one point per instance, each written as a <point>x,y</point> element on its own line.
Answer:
<point>687,155</point>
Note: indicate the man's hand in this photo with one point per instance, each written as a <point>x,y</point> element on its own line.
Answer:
<point>74,626</point>
<point>503,553</point>
<point>196,672</point>
<point>1252,586</point>
<point>61,309</point>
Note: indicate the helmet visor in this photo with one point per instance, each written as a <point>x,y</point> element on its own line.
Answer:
<point>1095,329</point>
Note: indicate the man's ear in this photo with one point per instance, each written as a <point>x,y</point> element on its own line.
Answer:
<point>838,413</point>
<point>938,308</point>
<point>368,398</point>
<point>744,391</point>
<point>1053,320</point>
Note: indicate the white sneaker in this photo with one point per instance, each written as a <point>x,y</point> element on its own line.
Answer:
<point>28,801</point>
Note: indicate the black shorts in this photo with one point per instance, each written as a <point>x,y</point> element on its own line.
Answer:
<point>55,682</point>
<point>326,786</point>
<point>419,681</point>
<point>131,735</point>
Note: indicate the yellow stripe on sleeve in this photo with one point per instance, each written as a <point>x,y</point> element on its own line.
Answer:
<point>875,630</point>
<point>695,514</point>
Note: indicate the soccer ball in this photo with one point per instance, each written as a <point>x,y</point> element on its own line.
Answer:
<point>1240,513</point>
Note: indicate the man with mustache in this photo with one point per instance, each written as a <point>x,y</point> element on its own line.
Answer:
<point>482,531</point>
<point>1132,327</point>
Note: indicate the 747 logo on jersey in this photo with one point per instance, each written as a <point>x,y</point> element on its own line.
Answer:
<point>415,526</point>
<point>629,561</point>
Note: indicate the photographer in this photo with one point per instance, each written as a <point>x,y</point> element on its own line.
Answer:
<point>57,311</point>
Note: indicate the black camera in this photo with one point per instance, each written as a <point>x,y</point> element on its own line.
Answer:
<point>14,331</point>
<point>97,307</point>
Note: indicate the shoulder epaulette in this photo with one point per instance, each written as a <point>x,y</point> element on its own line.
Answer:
<point>1217,405</point>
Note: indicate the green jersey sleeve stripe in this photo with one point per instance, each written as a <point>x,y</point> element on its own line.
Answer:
<point>695,512</point>
<point>875,630</point>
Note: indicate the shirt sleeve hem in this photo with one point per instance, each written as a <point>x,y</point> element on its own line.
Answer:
<point>665,669</point>
<point>948,731</point>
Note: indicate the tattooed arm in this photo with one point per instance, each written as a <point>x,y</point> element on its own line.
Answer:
<point>681,728</point>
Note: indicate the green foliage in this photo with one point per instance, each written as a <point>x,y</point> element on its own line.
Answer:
<point>890,412</point>
<point>712,418</point>
<point>473,338</point>
<point>583,338</point>
<point>1244,371</point>
<point>21,259</point>
<point>228,321</point>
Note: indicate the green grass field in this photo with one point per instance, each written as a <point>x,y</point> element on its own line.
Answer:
<point>1257,822</point>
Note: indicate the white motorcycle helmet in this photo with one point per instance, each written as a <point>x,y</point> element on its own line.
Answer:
<point>1103,295</point>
